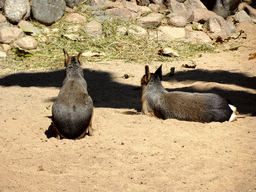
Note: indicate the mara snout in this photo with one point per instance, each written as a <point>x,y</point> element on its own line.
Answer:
<point>73,110</point>
<point>200,107</point>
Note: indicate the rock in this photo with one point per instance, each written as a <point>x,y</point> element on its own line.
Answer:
<point>104,18</point>
<point>26,25</point>
<point>144,9</point>
<point>201,15</point>
<point>73,28</point>
<point>194,4</point>
<point>251,11</point>
<point>3,54</point>
<point>180,19</point>
<point>137,30</point>
<point>167,33</point>
<point>120,12</point>
<point>152,20</point>
<point>175,6</point>
<point>99,13</point>
<point>6,47</point>
<point>218,26</point>
<point>16,10</point>
<point>93,29</point>
<point>48,11</point>
<point>75,18</point>
<point>72,3</point>
<point>242,16</point>
<point>144,3</point>
<point>248,28</point>
<point>2,18</point>
<point>26,43</point>
<point>122,31</point>
<point>9,34</point>
<point>125,10</point>
<point>98,4</point>
<point>158,2</point>
<point>155,7</point>
<point>199,36</point>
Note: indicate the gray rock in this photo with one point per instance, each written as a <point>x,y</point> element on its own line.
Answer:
<point>144,9</point>
<point>199,36</point>
<point>98,4</point>
<point>250,10</point>
<point>152,20</point>
<point>180,19</point>
<point>26,25</point>
<point>224,8</point>
<point>48,11</point>
<point>194,4</point>
<point>202,15</point>
<point>9,34</point>
<point>2,18</point>
<point>125,10</point>
<point>144,2</point>
<point>154,7</point>
<point>137,30</point>
<point>242,16</point>
<point>6,47</point>
<point>16,10</point>
<point>93,29</point>
<point>75,18</point>
<point>104,18</point>
<point>72,3</point>
<point>99,13</point>
<point>27,43</point>
<point>218,26</point>
<point>168,33</point>
<point>3,54</point>
<point>175,6</point>
<point>119,12</point>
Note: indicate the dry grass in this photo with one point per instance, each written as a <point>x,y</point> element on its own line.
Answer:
<point>111,45</point>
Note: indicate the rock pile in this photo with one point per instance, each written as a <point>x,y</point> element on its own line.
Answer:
<point>193,20</point>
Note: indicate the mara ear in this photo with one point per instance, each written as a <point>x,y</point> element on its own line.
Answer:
<point>79,56</point>
<point>67,59</point>
<point>147,73</point>
<point>159,72</point>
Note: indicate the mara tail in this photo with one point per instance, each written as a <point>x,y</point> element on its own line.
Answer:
<point>233,115</point>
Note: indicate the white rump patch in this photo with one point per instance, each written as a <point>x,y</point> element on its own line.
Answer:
<point>233,115</point>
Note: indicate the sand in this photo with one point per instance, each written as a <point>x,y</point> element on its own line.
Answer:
<point>131,152</point>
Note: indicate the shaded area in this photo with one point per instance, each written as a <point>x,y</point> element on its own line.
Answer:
<point>104,91</point>
<point>245,102</point>
<point>219,76</point>
<point>108,93</point>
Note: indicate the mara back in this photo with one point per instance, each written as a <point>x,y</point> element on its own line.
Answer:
<point>72,111</point>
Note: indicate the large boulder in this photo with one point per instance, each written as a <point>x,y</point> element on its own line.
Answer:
<point>223,8</point>
<point>16,10</point>
<point>48,11</point>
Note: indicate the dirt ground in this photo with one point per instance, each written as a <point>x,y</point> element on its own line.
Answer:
<point>131,152</point>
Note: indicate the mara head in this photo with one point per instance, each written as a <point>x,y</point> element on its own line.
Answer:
<point>73,63</point>
<point>145,80</point>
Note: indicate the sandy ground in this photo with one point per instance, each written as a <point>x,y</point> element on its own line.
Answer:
<point>130,152</point>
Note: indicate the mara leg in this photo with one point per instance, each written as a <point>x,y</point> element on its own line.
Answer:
<point>58,135</point>
<point>88,131</point>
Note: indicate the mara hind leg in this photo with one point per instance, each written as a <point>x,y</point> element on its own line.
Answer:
<point>88,131</point>
<point>57,133</point>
